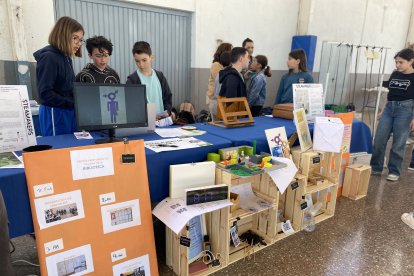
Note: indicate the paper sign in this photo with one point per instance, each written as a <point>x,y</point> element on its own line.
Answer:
<point>284,176</point>
<point>43,189</point>
<point>90,163</point>
<point>278,142</point>
<point>77,261</point>
<point>248,200</point>
<point>137,266</point>
<point>54,246</point>
<point>107,198</point>
<point>120,215</point>
<point>58,209</point>
<point>175,213</point>
<point>287,228</point>
<point>118,255</point>
<point>17,130</point>
<point>328,134</point>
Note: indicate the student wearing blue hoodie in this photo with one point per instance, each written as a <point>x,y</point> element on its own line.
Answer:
<point>55,77</point>
<point>257,89</point>
<point>297,74</point>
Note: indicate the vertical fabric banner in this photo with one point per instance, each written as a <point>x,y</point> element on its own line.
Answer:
<point>91,210</point>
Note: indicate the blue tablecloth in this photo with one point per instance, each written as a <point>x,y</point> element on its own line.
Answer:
<point>14,188</point>
<point>361,140</point>
<point>13,181</point>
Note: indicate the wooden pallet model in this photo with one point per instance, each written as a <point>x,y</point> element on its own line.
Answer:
<point>234,118</point>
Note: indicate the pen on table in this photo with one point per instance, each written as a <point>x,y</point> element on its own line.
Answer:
<point>169,146</point>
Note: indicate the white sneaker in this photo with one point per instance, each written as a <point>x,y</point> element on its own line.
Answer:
<point>408,218</point>
<point>392,177</point>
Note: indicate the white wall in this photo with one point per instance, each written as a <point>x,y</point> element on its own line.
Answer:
<point>38,17</point>
<point>372,22</point>
<point>270,24</point>
<point>6,51</point>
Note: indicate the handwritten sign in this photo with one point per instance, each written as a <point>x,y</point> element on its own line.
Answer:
<point>118,255</point>
<point>43,189</point>
<point>107,198</point>
<point>53,246</point>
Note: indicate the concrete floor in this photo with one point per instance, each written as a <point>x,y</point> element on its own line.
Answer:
<point>365,237</point>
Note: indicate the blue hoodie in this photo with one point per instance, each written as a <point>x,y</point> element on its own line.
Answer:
<point>55,77</point>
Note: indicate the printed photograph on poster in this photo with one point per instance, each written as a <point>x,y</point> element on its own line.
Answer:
<point>58,209</point>
<point>9,160</point>
<point>278,142</point>
<point>17,129</point>
<point>134,267</point>
<point>77,261</point>
<point>302,128</point>
<point>120,215</point>
<point>91,163</point>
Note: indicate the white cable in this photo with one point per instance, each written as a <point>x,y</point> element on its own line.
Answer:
<point>24,261</point>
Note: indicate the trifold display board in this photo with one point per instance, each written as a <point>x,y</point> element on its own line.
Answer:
<point>91,210</point>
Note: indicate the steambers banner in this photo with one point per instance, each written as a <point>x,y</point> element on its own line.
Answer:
<point>16,122</point>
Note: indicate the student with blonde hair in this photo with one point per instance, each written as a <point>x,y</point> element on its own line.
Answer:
<point>55,77</point>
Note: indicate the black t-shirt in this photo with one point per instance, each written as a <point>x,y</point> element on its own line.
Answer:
<point>401,86</point>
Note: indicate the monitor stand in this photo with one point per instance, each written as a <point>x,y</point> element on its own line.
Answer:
<point>110,139</point>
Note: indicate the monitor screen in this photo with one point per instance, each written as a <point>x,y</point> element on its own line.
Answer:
<point>110,106</point>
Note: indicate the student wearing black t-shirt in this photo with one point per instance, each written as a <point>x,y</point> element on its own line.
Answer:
<point>99,51</point>
<point>396,118</point>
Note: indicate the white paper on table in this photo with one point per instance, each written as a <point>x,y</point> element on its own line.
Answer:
<point>328,133</point>
<point>59,208</point>
<point>120,215</point>
<point>175,144</point>
<point>178,132</point>
<point>137,266</point>
<point>175,213</point>
<point>248,200</point>
<point>63,263</point>
<point>10,160</point>
<point>17,129</point>
<point>91,163</point>
<point>168,132</point>
<point>82,135</point>
<point>284,176</point>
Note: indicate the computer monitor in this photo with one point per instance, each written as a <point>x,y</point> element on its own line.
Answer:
<point>110,106</point>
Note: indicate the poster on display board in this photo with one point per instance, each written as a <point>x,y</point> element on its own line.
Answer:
<point>97,221</point>
<point>309,96</point>
<point>16,122</point>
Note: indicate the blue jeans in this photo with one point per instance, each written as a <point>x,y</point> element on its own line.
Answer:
<point>395,119</point>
